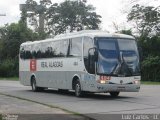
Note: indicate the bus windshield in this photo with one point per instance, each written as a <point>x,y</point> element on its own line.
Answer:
<point>117,57</point>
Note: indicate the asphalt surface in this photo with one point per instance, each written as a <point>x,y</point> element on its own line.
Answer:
<point>96,106</point>
<point>17,109</point>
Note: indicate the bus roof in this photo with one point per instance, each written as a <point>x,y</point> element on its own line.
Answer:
<point>88,33</point>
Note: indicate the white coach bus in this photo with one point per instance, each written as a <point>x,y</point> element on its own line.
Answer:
<point>85,61</point>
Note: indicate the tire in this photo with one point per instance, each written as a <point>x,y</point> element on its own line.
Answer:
<point>34,86</point>
<point>78,92</point>
<point>114,94</point>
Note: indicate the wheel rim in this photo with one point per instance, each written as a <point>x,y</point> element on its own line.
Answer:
<point>78,89</point>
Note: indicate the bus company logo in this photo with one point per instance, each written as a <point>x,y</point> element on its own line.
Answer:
<point>121,81</point>
<point>33,65</point>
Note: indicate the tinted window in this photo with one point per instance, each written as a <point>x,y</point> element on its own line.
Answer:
<point>36,51</point>
<point>45,50</point>
<point>88,43</point>
<point>54,49</point>
<point>22,52</point>
<point>59,48</point>
<point>127,44</point>
<point>75,47</point>
<point>28,53</point>
<point>109,46</point>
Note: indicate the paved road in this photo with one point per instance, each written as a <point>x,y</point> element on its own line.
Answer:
<point>27,110</point>
<point>97,105</point>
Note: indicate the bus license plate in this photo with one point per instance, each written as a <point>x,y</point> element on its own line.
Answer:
<point>122,88</point>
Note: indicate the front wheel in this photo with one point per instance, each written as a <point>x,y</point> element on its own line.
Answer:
<point>78,91</point>
<point>114,94</point>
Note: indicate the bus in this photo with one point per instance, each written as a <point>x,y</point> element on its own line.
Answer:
<point>87,61</point>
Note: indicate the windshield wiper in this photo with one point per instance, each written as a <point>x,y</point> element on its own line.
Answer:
<point>114,69</point>
<point>118,68</point>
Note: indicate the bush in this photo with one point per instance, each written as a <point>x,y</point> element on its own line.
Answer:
<point>9,68</point>
<point>151,69</point>
<point>0,117</point>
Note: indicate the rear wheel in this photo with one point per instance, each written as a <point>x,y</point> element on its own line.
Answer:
<point>114,94</point>
<point>34,85</point>
<point>78,91</point>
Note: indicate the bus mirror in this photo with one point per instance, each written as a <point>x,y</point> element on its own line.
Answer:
<point>93,54</point>
<point>92,58</point>
<point>96,55</point>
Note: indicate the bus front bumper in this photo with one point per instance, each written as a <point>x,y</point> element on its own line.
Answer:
<point>118,87</point>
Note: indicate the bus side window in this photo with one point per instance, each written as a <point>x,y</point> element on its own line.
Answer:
<point>35,51</point>
<point>64,47</point>
<point>87,44</point>
<point>56,50</point>
<point>75,47</point>
<point>38,51</point>
<point>22,54</point>
<point>28,52</point>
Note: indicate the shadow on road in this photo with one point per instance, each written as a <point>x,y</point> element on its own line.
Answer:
<point>100,96</point>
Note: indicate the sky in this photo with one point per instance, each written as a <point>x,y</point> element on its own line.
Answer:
<point>112,11</point>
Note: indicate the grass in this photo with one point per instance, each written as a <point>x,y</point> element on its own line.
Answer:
<point>9,78</point>
<point>150,83</point>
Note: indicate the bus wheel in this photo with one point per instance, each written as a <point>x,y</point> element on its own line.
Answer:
<point>34,86</point>
<point>78,91</point>
<point>114,94</point>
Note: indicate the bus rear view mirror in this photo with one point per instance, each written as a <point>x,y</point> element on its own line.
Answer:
<point>93,54</point>
<point>92,58</point>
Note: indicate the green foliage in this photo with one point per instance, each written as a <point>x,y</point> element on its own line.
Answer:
<point>11,36</point>
<point>67,16</point>
<point>72,15</point>
<point>8,68</point>
<point>150,46</point>
<point>150,83</point>
<point>146,18</point>
<point>151,68</point>
<point>127,32</point>
<point>151,58</point>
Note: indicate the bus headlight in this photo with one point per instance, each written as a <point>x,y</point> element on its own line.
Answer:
<point>102,81</point>
<point>136,82</point>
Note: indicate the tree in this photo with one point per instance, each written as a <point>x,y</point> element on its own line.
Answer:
<point>72,15</point>
<point>67,16</point>
<point>147,19</point>
<point>127,32</point>
<point>11,36</point>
